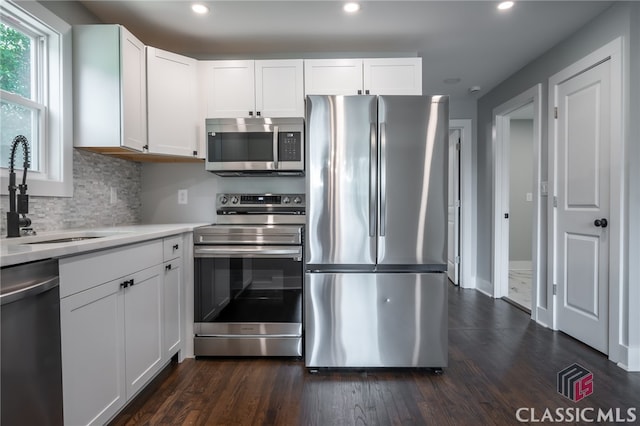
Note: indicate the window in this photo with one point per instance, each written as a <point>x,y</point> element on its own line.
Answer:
<point>35,95</point>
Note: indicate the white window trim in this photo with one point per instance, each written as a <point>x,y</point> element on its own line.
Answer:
<point>58,164</point>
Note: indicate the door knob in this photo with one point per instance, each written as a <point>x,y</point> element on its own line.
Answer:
<point>603,223</point>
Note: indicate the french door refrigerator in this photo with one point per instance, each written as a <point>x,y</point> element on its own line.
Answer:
<point>375,276</point>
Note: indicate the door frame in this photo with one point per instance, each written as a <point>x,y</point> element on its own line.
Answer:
<point>466,278</point>
<point>612,51</point>
<point>500,240</point>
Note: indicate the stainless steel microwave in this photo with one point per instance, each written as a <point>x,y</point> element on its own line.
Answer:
<point>255,146</point>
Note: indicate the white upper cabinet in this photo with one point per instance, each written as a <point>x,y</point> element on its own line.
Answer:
<point>383,76</point>
<point>279,88</point>
<point>172,93</point>
<point>333,77</point>
<point>237,89</point>
<point>393,76</point>
<point>229,88</point>
<point>110,98</point>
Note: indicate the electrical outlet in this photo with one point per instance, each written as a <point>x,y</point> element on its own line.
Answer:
<point>529,196</point>
<point>113,195</point>
<point>182,196</point>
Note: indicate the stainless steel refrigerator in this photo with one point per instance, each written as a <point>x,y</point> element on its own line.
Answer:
<point>375,279</point>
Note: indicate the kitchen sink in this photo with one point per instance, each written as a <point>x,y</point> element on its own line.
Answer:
<point>63,237</point>
<point>67,239</point>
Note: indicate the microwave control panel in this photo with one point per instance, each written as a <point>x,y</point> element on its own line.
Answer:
<point>289,146</point>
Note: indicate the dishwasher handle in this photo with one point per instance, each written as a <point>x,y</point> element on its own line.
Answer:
<point>29,291</point>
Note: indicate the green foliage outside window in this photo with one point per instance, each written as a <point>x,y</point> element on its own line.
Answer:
<point>15,77</point>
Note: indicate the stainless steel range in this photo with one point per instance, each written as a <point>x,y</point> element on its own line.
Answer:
<point>249,277</point>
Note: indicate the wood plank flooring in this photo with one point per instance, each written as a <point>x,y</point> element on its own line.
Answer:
<point>499,361</point>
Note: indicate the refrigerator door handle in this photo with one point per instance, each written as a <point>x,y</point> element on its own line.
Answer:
<point>383,178</point>
<point>275,147</point>
<point>373,174</point>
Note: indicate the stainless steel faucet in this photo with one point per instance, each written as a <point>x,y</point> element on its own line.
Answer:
<point>18,205</point>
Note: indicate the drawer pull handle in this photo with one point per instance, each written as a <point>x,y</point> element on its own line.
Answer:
<point>168,267</point>
<point>127,283</point>
<point>176,246</point>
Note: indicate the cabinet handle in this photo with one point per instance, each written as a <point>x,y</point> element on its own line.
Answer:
<point>366,92</point>
<point>359,92</point>
<point>195,153</point>
<point>258,113</point>
<point>127,283</point>
<point>250,113</point>
<point>168,267</point>
<point>176,247</point>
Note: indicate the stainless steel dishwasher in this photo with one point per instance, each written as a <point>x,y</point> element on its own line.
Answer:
<point>31,381</point>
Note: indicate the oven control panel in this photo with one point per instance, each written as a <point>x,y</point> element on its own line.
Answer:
<point>260,208</point>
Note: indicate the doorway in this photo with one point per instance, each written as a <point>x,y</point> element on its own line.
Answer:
<point>518,193</point>
<point>521,188</point>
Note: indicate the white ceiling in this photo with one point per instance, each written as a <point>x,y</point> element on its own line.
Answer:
<point>469,40</point>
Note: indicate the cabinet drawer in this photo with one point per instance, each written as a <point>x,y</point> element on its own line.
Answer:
<point>79,273</point>
<point>172,247</point>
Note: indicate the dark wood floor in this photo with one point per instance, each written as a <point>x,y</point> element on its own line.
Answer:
<point>499,361</point>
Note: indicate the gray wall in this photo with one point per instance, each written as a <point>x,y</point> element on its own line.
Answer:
<point>161,182</point>
<point>621,20</point>
<point>613,23</point>
<point>520,183</point>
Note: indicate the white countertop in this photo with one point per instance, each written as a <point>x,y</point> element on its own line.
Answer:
<point>18,250</point>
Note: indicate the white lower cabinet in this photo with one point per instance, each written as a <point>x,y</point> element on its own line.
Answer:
<point>118,334</point>
<point>143,308</point>
<point>93,357</point>
<point>173,296</point>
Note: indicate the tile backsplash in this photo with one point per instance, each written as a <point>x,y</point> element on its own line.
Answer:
<point>106,192</point>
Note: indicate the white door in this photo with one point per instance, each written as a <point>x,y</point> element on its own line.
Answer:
<point>582,240</point>
<point>453,236</point>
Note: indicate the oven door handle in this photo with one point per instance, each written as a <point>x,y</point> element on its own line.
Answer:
<point>249,251</point>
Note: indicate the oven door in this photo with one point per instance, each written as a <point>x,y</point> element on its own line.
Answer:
<point>248,291</point>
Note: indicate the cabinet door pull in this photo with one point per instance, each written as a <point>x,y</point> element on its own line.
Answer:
<point>124,284</point>
<point>258,113</point>
<point>250,113</point>
<point>176,246</point>
<point>167,267</point>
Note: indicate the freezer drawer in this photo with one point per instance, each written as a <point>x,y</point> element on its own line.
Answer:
<point>375,320</point>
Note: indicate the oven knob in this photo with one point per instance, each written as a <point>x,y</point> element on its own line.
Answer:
<point>223,200</point>
<point>285,200</point>
<point>234,200</point>
<point>297,200</point>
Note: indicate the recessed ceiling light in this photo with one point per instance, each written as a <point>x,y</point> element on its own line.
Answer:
<point>505,5</point>
<point>351,7</point>
<point>199,8</point>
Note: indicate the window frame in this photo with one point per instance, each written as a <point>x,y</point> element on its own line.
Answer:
<point>55,177</point>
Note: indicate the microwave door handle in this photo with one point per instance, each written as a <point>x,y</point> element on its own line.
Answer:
<point>275,147</point>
